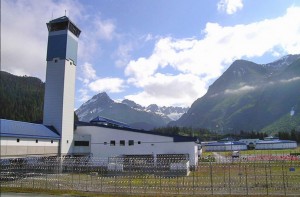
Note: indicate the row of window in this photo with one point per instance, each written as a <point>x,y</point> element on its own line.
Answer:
<point>36,141</point>
<point>122,142</point>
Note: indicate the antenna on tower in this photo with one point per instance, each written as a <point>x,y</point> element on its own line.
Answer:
<point>65,12</point>
<point>52,15</point>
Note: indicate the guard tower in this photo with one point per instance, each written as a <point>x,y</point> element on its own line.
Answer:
<point>60,79</point>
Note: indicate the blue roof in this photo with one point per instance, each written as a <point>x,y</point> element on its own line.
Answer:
<point>100,119</point>
<point>176,138</point>
<point>12,128</point>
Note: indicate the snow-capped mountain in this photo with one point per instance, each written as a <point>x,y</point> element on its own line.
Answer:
<point>128,112</point>
<point>174,113</point>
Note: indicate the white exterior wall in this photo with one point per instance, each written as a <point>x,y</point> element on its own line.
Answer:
<point>27,146</point>
<point>276,145</point>
<point>59,100</point>
<point>248,141</point>
<point>226,147</point>
<point>82,149</point>
<point>150,144</point>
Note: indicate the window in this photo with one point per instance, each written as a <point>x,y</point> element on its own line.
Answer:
<point>67,141</point>
<point>130,143</point>
<point>139,142</point>
<point>51,141</point>
<point>58,26</point>
<point>122,142</point>
<point>112,142</point>
<point>18,140</point>
<point>36,141</point>
<point>81,143</point>
<point>55,60</point>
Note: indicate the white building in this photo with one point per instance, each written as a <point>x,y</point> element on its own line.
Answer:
<point>275,144</point>
<point>251,143</point>
<point>225,146</point>
<point>106,141</point>
<point>23,139</point>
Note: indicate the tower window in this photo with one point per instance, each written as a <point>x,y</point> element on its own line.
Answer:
<point>58,26</point>
<point>139,142</point>
<point>55,61</point>
<point>51,141</point>
<point>18,140</point>
<point>36,141</point>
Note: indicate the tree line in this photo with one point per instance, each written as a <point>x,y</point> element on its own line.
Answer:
<point>21,98</point>
<point>207,135</point>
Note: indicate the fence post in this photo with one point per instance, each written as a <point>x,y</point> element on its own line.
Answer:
<point>229,183</point>
<point>211,179</point>
<point>283,181</point>
<point>267,187</point>
<point>194,183</point>
<point>246,173</point>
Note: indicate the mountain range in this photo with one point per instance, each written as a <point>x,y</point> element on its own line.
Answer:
<point>128,112</point>
<point>250,97</point>
<point>247,96</point>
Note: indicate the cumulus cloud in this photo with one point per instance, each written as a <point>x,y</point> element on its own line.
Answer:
<point>112,85</point>
<point>207,58</point>
<point>166,90</point>
<point>24,33</point>
<point>92,83</point>
<point>230,6</point>
<point>87,73</point>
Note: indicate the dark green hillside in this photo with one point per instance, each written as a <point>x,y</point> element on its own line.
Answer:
<point>21,98</point>
<point>250,97</point>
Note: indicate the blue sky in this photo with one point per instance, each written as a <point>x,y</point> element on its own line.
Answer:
<point>165,52</point>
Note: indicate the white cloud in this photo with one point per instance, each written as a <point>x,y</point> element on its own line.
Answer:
<point>169,90</point>
<point>110,85</point>
<point>84,95</point>
<point>105,29</point>
<point>290,80</point>
<point>122,54</point>
<point>230,6</point>
<point>209,57</point>
<point>24,33</point>
<point>243,89</point>
<point>87,73</point>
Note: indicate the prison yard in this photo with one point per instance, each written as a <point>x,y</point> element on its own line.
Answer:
<point>253,173</point>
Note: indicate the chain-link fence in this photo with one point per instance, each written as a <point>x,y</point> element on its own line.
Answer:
<point>138,175</point>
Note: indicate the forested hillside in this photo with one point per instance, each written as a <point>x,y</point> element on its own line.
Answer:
<point>21,98</point>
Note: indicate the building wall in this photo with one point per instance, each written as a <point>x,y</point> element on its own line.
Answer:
<point>59,100</point>
<point>276,145</point>
<point>144,144</point>
<point>28,147</point>
<point>225,147</point>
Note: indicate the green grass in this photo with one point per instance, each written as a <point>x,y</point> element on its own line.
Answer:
<point>254,152</point>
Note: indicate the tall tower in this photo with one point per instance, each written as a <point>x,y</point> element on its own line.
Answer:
<point>60,79</point>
